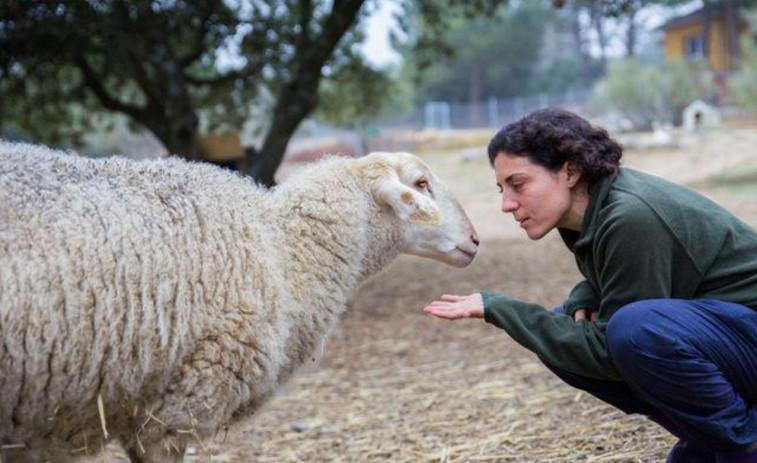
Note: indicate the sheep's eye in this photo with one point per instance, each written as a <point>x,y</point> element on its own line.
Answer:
<point>422,184</point>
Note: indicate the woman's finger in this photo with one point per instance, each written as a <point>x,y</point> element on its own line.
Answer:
<point>442,313</point>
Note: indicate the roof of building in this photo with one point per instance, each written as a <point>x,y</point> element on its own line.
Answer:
<point>716,11</point>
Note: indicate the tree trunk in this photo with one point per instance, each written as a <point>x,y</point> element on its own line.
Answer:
<point>299,97</point>
<point>178,133</point>
<point>178,111</point>
<point>631,34</point>
<point>184,142</point>
<point>580,42</point>
<point>296,102</point>
<point>597,20</point>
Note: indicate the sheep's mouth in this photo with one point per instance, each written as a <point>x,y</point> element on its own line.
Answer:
<point>464,256</point>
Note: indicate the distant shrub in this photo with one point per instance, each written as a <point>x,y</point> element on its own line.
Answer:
<point>645,93</point>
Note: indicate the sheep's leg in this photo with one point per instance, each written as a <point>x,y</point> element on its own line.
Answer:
<point>167,450</point>
<point>169,447</point>
<point>113,452</point>
<point>204,397</point>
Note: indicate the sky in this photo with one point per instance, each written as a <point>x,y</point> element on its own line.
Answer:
<point>376,47</point>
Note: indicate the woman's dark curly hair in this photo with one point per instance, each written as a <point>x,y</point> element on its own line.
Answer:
<point>551,137</point>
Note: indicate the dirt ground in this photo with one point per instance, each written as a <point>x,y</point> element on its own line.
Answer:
<point>395,385</point>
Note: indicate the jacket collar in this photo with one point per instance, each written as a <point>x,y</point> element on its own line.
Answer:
<point>575,240</point>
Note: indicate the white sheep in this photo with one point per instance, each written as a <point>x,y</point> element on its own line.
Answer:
<point>155,302</point>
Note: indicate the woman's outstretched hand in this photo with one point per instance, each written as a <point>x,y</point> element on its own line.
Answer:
<point>452,307</point>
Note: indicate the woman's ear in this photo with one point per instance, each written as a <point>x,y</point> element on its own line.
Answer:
<point>572,173</point>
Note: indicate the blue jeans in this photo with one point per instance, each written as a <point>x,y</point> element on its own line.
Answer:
<point>689,365</point>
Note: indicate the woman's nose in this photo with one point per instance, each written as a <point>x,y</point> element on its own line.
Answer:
<point>508,205</point>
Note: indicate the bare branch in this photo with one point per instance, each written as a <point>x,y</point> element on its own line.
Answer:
<point>93,81</point>
<point>221,79</point>
<point>140,76</point>
<point>343,15</point>
<point>306,14</point>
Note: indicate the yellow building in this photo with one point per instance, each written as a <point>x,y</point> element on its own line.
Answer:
<point>685,36</point>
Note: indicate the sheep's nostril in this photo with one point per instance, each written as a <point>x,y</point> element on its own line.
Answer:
<point>474,238</point>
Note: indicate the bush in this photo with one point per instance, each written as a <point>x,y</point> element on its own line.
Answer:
<point>645,93</point>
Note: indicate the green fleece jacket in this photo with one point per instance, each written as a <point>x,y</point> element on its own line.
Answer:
<point>642,238</point>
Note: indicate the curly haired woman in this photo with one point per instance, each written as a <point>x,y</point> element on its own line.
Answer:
<point>665,321</point>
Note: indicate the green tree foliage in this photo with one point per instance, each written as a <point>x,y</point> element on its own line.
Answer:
<point>522,48</point>
<point>493,55</point>
<point>138,58</point>
<point>160,63</point>
<point>354,96</point>
<point>650,93</point>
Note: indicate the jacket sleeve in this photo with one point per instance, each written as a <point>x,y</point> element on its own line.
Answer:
<point>576,346</point>
<point>582,296</point>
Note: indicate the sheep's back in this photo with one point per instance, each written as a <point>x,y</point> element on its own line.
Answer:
<point>108,273</point>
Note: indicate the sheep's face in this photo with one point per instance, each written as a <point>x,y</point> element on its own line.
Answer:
<point>434,225</point>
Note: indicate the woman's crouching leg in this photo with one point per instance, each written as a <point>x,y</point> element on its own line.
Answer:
<point>696,362</point>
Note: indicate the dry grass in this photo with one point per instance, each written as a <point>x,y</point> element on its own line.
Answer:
<point>395,385</point>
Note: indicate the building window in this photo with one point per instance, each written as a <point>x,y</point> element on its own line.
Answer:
<point>693,46</point>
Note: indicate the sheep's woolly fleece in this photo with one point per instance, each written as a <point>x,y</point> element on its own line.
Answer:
<point>156,301</point>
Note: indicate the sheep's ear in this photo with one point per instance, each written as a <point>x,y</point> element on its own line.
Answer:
<point>408,204</point>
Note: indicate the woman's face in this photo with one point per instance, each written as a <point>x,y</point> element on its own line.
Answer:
<point>539,200</point>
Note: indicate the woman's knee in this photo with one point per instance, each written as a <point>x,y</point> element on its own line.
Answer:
<point>636,329</point>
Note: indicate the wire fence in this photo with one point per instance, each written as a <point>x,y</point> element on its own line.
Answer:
<point>490,113</point>
<point>416,130</point>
